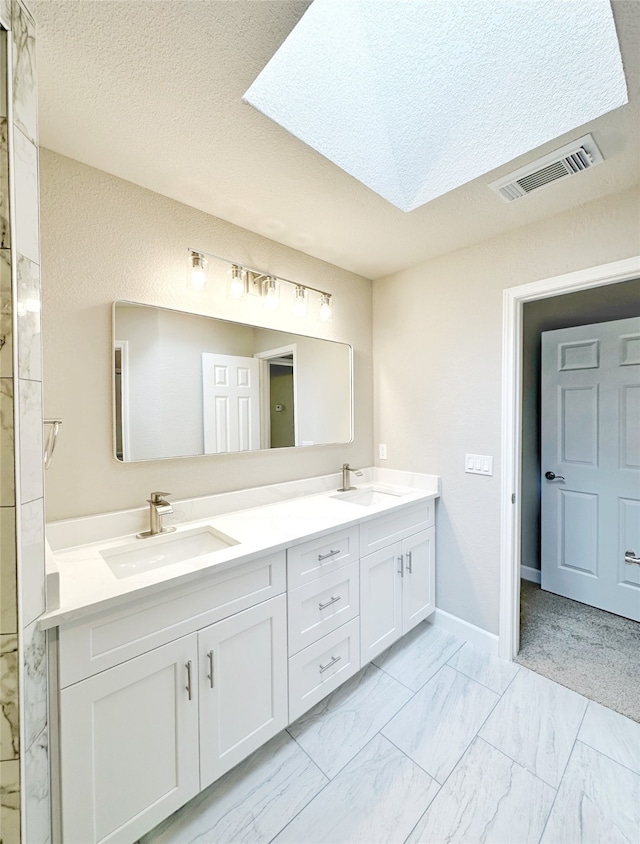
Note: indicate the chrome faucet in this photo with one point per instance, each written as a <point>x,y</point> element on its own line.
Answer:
<point>158,508</point>
<point>346,484</point>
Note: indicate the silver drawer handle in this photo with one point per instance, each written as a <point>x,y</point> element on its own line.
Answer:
<point>409,562</point>
<point>333,661</point>
<point>188,687</point>
<point>401,565</point>
<point>328,604</point>
<point>210,674</point>
<point>322,557</point>
<point>631,559</point>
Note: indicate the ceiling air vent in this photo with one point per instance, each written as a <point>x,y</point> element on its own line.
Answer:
<point>567,161</point>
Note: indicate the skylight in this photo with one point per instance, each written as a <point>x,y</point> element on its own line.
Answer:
<point>414,99</point>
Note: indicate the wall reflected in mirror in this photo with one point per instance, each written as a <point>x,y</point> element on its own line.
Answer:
<point>186,384</point>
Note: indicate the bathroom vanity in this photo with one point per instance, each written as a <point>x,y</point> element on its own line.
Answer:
<point>169,674</point>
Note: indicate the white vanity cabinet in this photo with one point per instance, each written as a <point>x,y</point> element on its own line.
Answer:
<point>163,694</point>
<point>142,737</point>
<point>397,581</point>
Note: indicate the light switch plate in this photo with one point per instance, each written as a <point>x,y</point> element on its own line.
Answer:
<point>382,451</point>
<point>478,464</point>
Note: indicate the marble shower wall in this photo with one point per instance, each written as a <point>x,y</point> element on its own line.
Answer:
<point>24,738</point>
<point>9,698</point>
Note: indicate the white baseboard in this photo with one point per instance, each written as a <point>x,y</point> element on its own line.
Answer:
<point>531,574</point>
<point>476,636</point>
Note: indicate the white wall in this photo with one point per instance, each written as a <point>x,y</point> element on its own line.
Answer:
<point>105,239</point>
<point>437,376</point>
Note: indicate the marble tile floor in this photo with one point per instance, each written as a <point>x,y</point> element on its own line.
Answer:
<point>434,742</point>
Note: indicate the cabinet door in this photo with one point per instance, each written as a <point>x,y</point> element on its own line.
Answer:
<point>381,577</point>
<point>243,685</point>
<point>418,598</point>
<point>129,745</point>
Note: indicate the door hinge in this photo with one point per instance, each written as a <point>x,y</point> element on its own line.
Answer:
<point>513,498</point>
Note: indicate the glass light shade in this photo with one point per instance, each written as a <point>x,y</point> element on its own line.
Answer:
<point>300,304</point>
<point>198,271</point>
<point>271,293</point>
<point>325,307</point>
<point>237,282</point>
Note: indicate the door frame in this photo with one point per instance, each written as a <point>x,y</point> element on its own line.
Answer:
<point>513,300</point>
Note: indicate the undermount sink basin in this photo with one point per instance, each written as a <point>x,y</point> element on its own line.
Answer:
<point>366,497</point>
<point>165,550</point>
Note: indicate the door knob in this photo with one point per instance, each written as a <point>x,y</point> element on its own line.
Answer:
<point>631,559</point>
<point>551,476</point>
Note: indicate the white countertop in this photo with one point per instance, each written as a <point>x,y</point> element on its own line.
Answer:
<point>87,585</point>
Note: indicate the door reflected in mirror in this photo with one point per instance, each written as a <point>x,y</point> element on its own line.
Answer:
<point>186,385</point>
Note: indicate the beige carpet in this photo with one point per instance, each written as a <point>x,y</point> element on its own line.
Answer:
<point>590,651</point>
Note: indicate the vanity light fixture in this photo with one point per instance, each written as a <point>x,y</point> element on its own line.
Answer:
<point>300,304</point>
<point>244,282</point>
<point>198,270</point>
<point>325,307</point>
<point>238,282</point>
<point>271,292</point>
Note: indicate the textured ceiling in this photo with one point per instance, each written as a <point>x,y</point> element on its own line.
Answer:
<point>376,91</point>
<point>151,91</point>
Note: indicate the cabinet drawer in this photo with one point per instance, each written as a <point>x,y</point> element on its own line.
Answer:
<point>318,557</point>
<point>322,667</point>
<point>380,532</point>
<point>88,647</point>
<point>323,605</point>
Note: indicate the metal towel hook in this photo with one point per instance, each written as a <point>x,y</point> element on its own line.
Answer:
<point>52,438</point>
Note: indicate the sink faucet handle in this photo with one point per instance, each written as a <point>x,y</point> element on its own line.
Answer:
<point>345,466</point>
<point>156,497</point>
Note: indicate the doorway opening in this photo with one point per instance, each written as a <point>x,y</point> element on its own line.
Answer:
<point>121,399</point>
<point>514,300</point>
<point>278,397</point>
<point>281,404</point>
<point>580,493</point>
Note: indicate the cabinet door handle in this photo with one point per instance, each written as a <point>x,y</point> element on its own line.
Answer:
<point>331,662</point>
<point>332,600</point>
<point>322,557</point>
<point>401,565</point>
<point>210,674</point>
<point>188,667</point>
<point>409,562</point>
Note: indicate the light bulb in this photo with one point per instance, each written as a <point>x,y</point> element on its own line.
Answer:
<point>198,271</point>
<point>271,293</point>
<point>300,302</point>
<point>237,285</point>
<point>325,307</point>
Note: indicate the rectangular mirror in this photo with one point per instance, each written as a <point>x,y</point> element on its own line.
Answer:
<point>186,384</point>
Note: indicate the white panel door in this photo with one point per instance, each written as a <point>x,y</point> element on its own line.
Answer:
<point>419,588</point>
<point>230,403</point>
<point>243,686</point>
<point>129,745</point>
<point>591,464</point>
<point>381,577</point>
